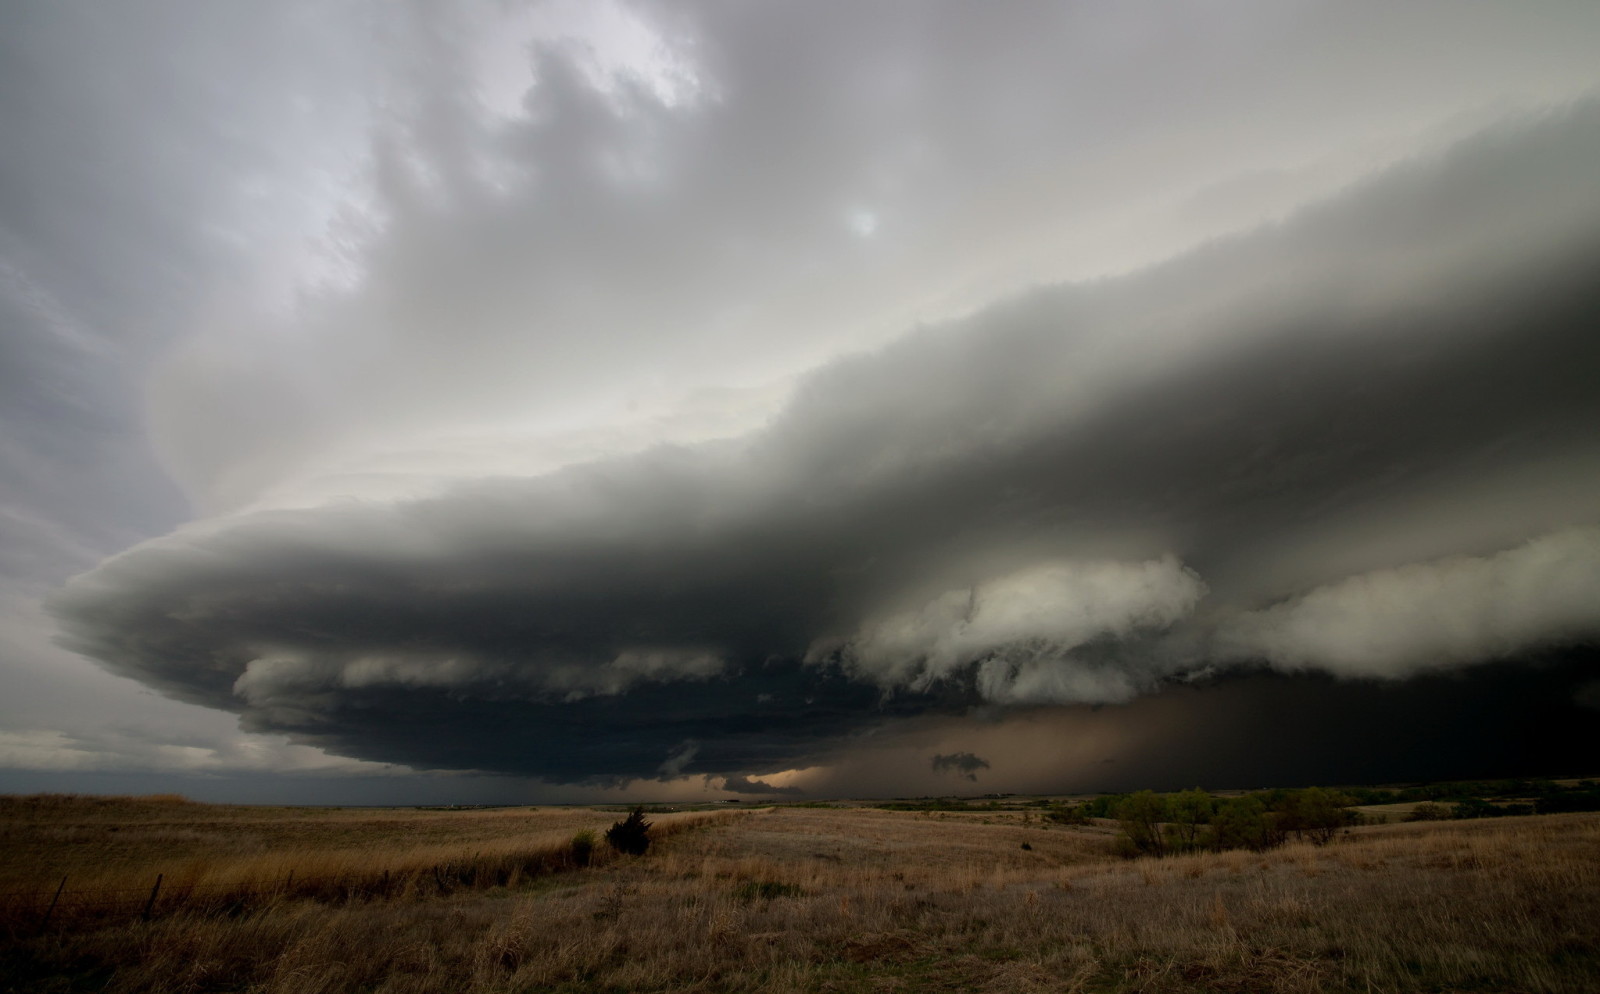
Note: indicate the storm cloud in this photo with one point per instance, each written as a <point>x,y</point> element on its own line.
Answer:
<point>1071,496</point>
<point>744,785</point>
<point>767,397</point>
<point>1441,614</point>
<point>962,764</point>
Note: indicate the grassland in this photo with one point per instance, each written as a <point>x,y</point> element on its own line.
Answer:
<point>789,899</point>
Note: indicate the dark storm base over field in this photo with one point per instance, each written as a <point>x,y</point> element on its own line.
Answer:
<point>1531,717</point>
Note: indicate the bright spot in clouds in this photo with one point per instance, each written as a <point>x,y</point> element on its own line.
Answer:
<point>863,222</point>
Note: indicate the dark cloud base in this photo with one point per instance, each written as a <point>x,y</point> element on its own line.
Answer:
<point>804,714</point>
<point>1516,717</point>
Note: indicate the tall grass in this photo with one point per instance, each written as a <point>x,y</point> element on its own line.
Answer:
<point>378,863</point>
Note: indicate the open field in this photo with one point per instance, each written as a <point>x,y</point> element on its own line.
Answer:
<point>803,899</point>
<point>110,851</point>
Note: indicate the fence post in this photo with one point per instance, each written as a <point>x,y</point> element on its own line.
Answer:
<point>150,904</point>
<point>51,910</point>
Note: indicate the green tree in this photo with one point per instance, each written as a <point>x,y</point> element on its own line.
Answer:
<point>1319,814</point>
<point>1189,812</point>
<point>1242,823</point>
<point>1141,816</point>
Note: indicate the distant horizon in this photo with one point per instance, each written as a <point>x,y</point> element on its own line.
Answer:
<point>758,800</point>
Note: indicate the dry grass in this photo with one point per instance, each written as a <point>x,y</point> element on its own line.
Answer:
<point>859,900</point>
<point>111,851</point>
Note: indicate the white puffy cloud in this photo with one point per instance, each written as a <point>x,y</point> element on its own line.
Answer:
<point>1433,615</point>
<point>1022,628</point>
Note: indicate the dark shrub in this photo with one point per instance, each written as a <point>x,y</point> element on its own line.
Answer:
<point>631,835</point>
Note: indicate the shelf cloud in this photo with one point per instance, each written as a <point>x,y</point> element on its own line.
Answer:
<point>1075,495</point>
<point>550,399</point>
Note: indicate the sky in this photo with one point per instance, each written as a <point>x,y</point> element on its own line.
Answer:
<point>563,402</point>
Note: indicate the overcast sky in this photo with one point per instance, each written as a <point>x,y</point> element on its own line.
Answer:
<point>568,401</point>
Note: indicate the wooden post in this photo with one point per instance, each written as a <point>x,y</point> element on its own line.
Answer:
<point>51,910</point>
<point>150,904</point>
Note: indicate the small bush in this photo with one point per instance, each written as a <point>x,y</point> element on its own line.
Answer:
<point>1428,811</point>
<point>631,835</point>
<point>582,848</point>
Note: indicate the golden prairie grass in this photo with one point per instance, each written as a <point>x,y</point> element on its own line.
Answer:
<point>111,851</point>
<point>857,900</point>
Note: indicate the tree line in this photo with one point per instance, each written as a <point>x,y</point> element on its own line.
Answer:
<point>1193,820</point>
<point>1154,824</point>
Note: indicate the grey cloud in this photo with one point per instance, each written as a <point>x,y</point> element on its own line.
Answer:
<point>141,146</point>
<point>1079,462</point>
<point>1023,629</point>
<point>154,160</point>
<point>745,785</point>
<point>1441,614</point>
<point>963,764</point>
<point>674,765</point>
<point>596,246</point>
<point>124,749</point>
